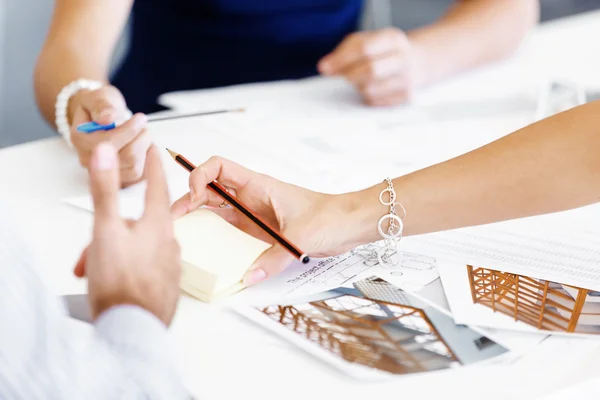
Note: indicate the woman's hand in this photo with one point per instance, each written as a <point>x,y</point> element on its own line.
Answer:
<point>315,222</point>
<point>383,65</point>
<point>104,106</point>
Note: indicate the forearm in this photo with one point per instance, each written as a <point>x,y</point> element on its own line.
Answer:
<point>79,44</point>
<point>59,65</point>
<point>549,166</point>
<point>473,32</point>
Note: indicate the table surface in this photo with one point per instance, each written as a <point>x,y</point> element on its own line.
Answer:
<point>221,354</point>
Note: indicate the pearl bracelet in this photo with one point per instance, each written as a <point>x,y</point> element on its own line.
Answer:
<point>383,253</point>
<point>62,102</point>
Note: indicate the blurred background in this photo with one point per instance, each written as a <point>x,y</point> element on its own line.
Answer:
<point>24,25</point>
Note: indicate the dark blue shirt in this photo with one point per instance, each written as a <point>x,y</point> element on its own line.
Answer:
<point>193,44</point>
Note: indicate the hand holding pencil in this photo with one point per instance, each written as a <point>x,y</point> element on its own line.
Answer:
<point>288,209</point>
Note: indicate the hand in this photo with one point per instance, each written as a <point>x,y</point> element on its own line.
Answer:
<point>314,222</point>
<point>104,106</point>
<point>131,262</point>
<point>382,65</point>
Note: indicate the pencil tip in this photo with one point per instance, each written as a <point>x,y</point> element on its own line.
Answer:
<point>241,109</point>
<point>171,152</point>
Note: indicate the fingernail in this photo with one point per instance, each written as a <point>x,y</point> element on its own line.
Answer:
<point>105,157</point>
<point>255,276</point>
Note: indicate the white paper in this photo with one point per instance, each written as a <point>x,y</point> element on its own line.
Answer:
<point>198,140</point>
<point>588,389</point>
<point>320,275</point>
<point>130,202</point>
<point>562,247</point>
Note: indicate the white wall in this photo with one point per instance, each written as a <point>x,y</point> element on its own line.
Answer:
<point>23,30</point>
<point>24,26</point>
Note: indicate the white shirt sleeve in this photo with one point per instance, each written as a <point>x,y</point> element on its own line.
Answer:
<point>44,354</point>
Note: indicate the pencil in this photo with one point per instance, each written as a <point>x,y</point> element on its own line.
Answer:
<point>221,191</point>
<point>196,114</point>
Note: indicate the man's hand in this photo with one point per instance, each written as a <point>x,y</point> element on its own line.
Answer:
<point>382,65</point>
<point>104,106</point>
<point>131,262</point>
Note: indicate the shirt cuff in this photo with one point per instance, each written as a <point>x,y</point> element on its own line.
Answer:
<point>133,328</point>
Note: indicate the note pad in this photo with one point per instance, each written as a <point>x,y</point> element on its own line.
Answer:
<point>215,255</point>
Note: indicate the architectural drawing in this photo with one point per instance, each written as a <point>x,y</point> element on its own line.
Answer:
<point>378,325</point>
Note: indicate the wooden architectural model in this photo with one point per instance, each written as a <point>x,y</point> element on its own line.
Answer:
<point>542,304</point>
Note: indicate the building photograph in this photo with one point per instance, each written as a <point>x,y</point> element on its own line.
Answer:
<point>378,325</point>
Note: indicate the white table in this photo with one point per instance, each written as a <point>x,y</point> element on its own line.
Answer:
<point>219,352</point>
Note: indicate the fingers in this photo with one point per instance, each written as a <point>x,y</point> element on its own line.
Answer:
<point>218,169</point>
<point>274,260</point>
<point>361,46</point>
<point>124,134</point>
<point>182,206</point>
<point>385,67</point>
<point>105,184</point>
<point>390,100</point>
<point>351,50</point>
<point>390,91</point>
<point>185,204</point>
<point>104,105</point>
<point>157,190</point>
<point>132,158</point>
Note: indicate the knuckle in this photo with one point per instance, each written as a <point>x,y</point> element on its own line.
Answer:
<point>398,37</point>
<point>83,160</point>
<point>215,160</point>
<point>130,174</point>
<point>364,48</point>
<point>371,71</point>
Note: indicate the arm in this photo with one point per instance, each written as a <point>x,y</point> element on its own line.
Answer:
<point>79,44</point>
<point>546,167</point>
<point>45,354</point>
<point>389,65</point>
<point>549,166</point>
<point>471,33</point>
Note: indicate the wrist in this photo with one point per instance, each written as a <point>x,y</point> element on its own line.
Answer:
<point>421,63</point>
<point>73,103</point>
<point>363,210</point>
<point>62,121</point>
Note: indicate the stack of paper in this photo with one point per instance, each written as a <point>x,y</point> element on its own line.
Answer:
<point>215,254</point>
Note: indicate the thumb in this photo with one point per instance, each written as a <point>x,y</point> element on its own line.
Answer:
<point>103,105</point>
<point>271,262</point>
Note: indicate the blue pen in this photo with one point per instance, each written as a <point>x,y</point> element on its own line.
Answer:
<point>90,127</point>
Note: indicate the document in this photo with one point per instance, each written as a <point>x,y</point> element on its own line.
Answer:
<point>198,140</point>
<point>587,389</point>
<point>561,247</point>
<point>413,273</point>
